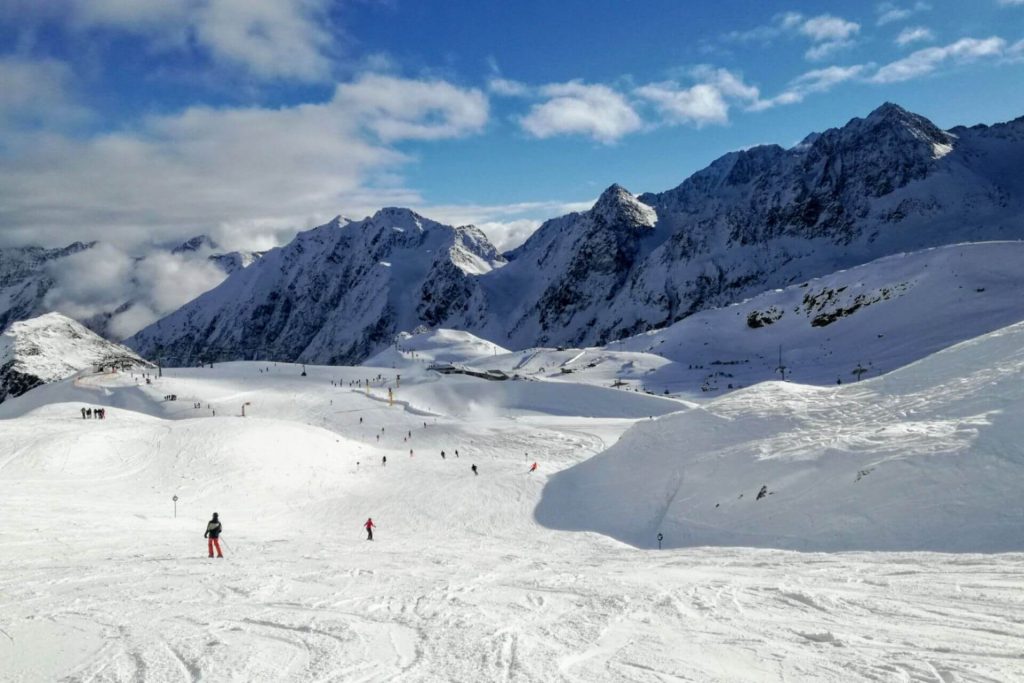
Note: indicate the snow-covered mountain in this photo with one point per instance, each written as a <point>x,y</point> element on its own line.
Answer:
<point>753,220</point>
<point>53,347</point>
<point>29,277</point>
<point>335,294</point>
<point>767,217</point>
<point>206,246</point>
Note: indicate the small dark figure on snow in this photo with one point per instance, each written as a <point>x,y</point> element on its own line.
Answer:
<point>83,413</point>
<point>384,461</point>
<point>533,467</point>
<point>360,420</point>
<point>473,467</point>
<point>213,529</point>
<point>456,452</point>
<point>369,526</point>
<point>442,455</point>
<point>762,493</point>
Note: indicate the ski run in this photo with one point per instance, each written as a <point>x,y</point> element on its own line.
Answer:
<point>909,480</point>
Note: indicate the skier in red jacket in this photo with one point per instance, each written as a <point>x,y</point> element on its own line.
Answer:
<point>369,526</point>
<point>533,467</point>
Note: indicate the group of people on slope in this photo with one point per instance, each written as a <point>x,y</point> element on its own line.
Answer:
<point>94,413</point>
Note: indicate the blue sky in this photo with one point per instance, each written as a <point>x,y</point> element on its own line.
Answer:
<point>142,120</point>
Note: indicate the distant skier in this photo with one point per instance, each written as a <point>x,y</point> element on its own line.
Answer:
<point>473,467</point>
<point>360,420</point>
<point>88,412</point>
<point>83,413</point>
<point>533,467</point>
<point>410,453</point>
<point>442,455</point>
<point>456,452</point>
<point>213,529</point>
<point>369,526</point>
<point>384,461</point>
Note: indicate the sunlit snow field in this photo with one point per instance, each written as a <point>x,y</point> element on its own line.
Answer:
<point>100,581</point>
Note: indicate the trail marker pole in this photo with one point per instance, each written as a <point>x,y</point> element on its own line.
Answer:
<point>660,538</point>
<point>175,499</point>
<point>247,403</point>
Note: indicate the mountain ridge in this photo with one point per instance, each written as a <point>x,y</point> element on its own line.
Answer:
<point>752,220</point>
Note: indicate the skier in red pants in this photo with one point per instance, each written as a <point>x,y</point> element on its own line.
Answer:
<point>213,529</point>
<point>369,526</point>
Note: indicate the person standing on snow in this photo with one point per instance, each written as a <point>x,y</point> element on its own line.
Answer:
<point>473,467</point>
<point>369,526</point>
<point>213,529</point>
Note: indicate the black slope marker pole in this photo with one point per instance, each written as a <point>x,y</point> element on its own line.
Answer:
<point>660,537</point>
<point>175,499</point>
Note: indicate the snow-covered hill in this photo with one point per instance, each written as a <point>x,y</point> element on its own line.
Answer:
<point>754,220</point>
<point>893,463</point>
<point>53,347</point>
<point>426,346</point>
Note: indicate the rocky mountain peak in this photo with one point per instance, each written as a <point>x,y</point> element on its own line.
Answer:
<point>617,206</point>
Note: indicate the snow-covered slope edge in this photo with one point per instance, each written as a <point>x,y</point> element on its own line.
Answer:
<point>855,323</point>
<point>53,347</point>
<point>924,458</point>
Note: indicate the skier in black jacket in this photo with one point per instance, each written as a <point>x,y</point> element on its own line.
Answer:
<point>213,529</point>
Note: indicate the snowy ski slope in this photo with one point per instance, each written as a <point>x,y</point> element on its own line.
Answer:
<point>99,581</point>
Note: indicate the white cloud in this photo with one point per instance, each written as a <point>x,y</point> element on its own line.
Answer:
<point>268,39</point>
<point>816,81</point>
<point>889,12</point>
<point>1010,3</point>
<point>250,175</point>
<point>36,92</point>
<point>105,277</point>
<point>927,60</point>
<point>508,88</point>
<point>827,33</point>
<point>706,102</point>
<point>827,27</point>
<point>817,53</point>
<point>400,109</point>
<point>576,108</point>
<point>506,225</point>
<point>914,34</point>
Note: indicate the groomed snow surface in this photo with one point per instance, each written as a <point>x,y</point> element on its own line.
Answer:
<point>99,581</point>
